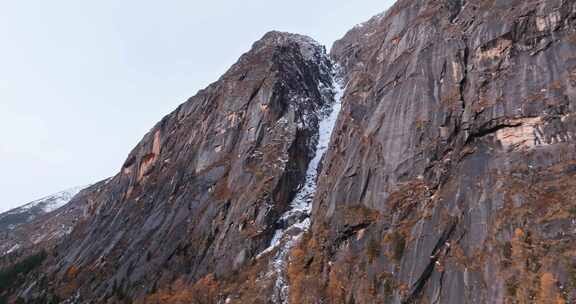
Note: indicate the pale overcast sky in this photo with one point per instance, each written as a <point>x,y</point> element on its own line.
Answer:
<point>82,81</point>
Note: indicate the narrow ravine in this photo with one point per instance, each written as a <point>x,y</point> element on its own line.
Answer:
<point>299,213</point>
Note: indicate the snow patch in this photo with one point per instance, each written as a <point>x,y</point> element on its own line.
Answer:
<point>14,248</point>
<point>302,203</point>
<point>297,218</point>
<point>52,202</point>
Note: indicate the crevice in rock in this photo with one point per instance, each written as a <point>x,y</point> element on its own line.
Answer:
<point>365,188</point>
<point>455,8</point>
<point>442,248</point>
<point>463,82</point>
<point>482,132</point>
<point>257,89</point>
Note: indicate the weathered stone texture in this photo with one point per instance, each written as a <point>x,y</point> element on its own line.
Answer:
<point>456,141</point>
<point>450,178</point>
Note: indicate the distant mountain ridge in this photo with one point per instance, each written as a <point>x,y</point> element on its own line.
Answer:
<point>30,211</point>
<point>42,223</point>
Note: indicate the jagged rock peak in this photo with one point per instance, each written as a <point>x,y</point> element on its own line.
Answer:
<point>310,49</point>
<point>282,38</point>
<point>203,192</point>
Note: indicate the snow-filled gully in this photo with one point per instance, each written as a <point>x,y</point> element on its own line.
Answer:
<point>299,213</point>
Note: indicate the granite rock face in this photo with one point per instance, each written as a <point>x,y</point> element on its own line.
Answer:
<point>450,176</point>
<point>200,196</point>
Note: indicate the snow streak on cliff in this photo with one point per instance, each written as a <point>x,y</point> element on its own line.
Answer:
<point>297,219</point>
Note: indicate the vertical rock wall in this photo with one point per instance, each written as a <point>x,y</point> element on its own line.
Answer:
<point>451,176</point>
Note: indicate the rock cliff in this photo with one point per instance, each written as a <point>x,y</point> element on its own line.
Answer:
<point>202,194</point>
<point>451,177</point>
<point>448,175</point>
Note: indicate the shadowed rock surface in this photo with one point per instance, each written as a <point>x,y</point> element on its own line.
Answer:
<point>450,176</point>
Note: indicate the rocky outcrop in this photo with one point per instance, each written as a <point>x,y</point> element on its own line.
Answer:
<point>449,176</point>
<point>452,173</point>
<point>201,195</point>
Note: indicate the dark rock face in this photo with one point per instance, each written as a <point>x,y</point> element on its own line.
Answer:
<point>200,195</point>
<point>451,176</point>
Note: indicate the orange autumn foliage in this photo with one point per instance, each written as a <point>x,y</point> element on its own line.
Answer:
<point>203,291</point>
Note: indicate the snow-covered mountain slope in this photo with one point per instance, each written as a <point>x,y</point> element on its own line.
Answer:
<point>27,213</point>
<point>41,224</point>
